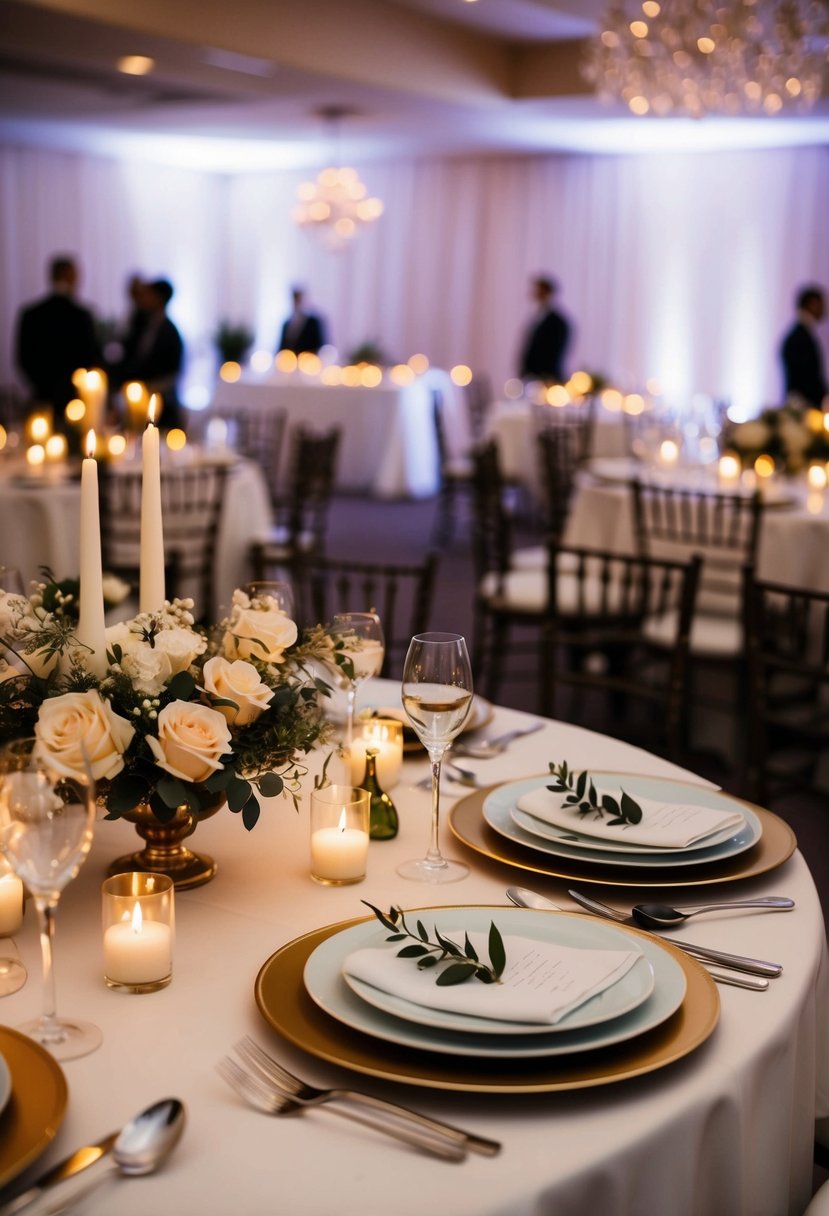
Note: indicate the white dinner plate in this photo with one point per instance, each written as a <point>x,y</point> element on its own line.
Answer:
<point>500,806</point>
<point>327,987</point>
<point>5,1083</point>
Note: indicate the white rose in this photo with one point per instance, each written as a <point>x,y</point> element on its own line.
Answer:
<point>18,623</point>
<point>181,646</point>
<point>191,740</point>
<point>78,722</point>
<point>258,634</point>
<point>240,682</point>
<point>115,589</point>
<point>147,667</point>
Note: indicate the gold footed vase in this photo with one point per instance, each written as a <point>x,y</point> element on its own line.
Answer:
<point>164,851</point>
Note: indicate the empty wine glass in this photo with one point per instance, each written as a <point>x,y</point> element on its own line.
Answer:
<point>362,636</point>
<point>437,697</point>
<point>46,823</point>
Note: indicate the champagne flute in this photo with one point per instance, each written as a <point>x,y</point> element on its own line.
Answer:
<point>362,635</point>
<point>437,698</point>
<point>46,824</point>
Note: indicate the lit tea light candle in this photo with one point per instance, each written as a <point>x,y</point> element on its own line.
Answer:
<point>39,428</point>
<point>764,466</point>
<point>816,477</point>
<point>728,468</point>
<point>55,447</point>
<point>11,902</point>
<point>138,951</point>
<point>385,737</point>
<point>35,456</point>
<point>151,578</point>
<point>338,854</point>
<point>668,451</point>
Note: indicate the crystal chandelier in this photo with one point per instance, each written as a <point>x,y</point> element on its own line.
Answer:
<point>696,57</point>
<point>336,204</point>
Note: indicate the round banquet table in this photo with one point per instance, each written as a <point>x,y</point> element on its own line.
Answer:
<point>728,1129</point>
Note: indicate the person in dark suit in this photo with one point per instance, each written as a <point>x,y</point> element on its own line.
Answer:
<point>545,344</point>
<point>303,331</point>
<point>801,353</point>
<point>55,337</point>
<point>157,355</point>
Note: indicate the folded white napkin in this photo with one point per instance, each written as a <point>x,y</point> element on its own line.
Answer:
<point>669,825</point>
<point>542,982</point>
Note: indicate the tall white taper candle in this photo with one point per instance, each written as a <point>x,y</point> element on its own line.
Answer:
<point>91,624</point>
<point>151,591</point>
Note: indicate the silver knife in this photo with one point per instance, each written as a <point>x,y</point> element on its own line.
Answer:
<point>737,962</point>
<point>80,1160</point>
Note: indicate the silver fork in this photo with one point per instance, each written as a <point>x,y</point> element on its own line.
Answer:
<point>270,1099</point>
<point>465,776</point>
<point>308,1095</point>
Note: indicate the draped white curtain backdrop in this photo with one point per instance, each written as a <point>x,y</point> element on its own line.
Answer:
<point>679,267</point>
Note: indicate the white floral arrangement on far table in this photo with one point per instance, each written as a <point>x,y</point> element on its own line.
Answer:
<point>182,714</point>
<point>791,435</point>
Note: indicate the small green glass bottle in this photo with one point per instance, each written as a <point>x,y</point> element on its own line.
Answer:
<point>383,814</point>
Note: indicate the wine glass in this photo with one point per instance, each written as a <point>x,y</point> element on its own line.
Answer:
<point>280,592</point>
<point>46,823</point>
<point>437,697</point>
<point>362,636</point>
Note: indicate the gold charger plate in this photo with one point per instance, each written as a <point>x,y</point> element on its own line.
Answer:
<point>776,845</point>
<point>37,1104</point>
<point>284,1003</point>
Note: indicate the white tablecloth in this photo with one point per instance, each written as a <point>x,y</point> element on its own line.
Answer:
<point>727,1130</point>
<point>388,445</point>
<point>40,527</point>
<point>514,426</point>
<point>794,537</point>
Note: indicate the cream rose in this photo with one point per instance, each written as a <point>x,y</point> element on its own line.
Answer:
<point>191,740</point>
<point>239,682</point>
<point>78,722</point>
<point>263,634</point>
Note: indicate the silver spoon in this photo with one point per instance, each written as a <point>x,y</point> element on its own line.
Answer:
<point>660,916</point>
<point>485,749</point>
<point>140,1148</point>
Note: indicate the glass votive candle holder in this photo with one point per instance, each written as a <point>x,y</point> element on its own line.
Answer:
<point>339,834</point>
<point>385,737</point>
<point>11,900</point>
<point>138,921</point>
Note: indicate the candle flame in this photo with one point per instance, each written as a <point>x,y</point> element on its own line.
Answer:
<point>137,919</point>
<point>343,820</point>
<point>90,444</point>
<point>152,409</point>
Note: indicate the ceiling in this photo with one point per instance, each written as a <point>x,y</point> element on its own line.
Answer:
<point>242,85</point>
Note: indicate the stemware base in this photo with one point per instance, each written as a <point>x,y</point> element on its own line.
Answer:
<point>64,1038</point>
<point>432,872</point>
<point>13,976</point>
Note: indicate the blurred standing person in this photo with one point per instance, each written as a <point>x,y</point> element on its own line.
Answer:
<point>303,331</point>
<point>801,352</point>
<point>55,337</point>
<point>547,336</point>
<point>158,354</point>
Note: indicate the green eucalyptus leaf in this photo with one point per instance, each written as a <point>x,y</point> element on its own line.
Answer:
<point>250,812</point>
<point>456,973</point>
<point>415,951</point>
<point>448,946</point>
<point>271,784</point>
<point>182,686</point>
<point>497,952</point>
<point>238,792</point>
<point>421,931</point>
<point>469,949</point>
<point>428,960</point>
<point>174,792</point>
<point>631,810</point>
<point>581,784</point>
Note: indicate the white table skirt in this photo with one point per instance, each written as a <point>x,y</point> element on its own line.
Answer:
<point>388,446</point>
<point>726,1130</point>
<point>41,524</point>
<point>794,540</point>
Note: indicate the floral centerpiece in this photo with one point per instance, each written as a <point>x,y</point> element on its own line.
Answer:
<point>791,435</point>
<point>182,715</point>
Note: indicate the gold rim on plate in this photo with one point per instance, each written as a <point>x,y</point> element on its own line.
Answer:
<point>775,846</point>
<point>286,1006</point>
<point>37,1104</point>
